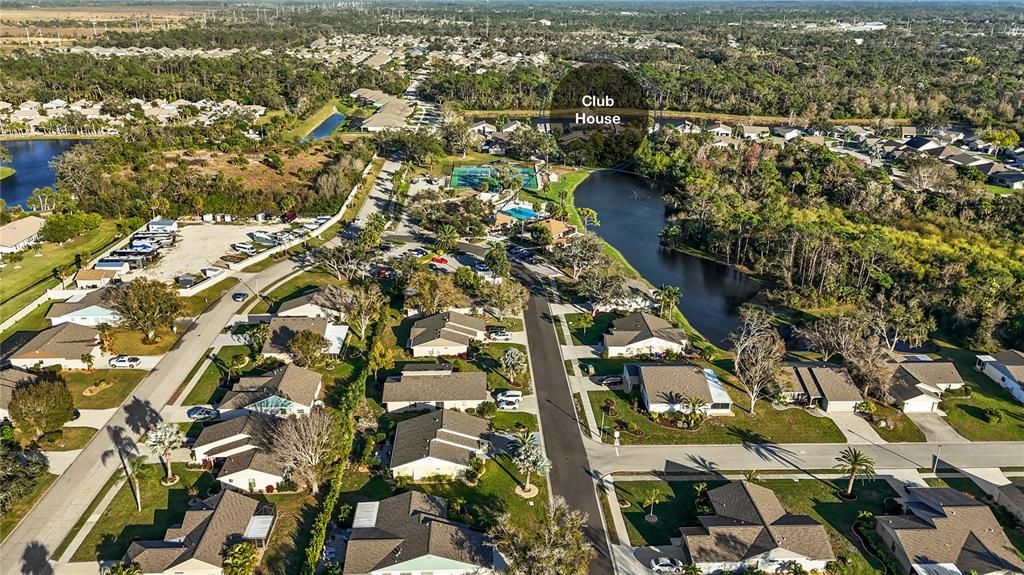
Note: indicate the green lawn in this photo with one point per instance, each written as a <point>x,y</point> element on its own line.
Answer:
<point>71,438</point>
<point>298,286</point>
<point>967,415</point>
<point>132,342</point>
<point>285,551</point>
<point>122,381</point>
<point>592,335</point>
<point>488,359</point>
<point>207,389</point>
<point>769,426</point>
<point>26,328</point>
<point>509,323</point>
<point>483,504</point>
<point>509,420</point>
<point>604,366</point>
<point>18,509</point>
<point>903,428</point>
<point>677,509</point>
<point>59,552</point>
<point>194,305</point>
<point>35,274</point>
<point>162,507</point>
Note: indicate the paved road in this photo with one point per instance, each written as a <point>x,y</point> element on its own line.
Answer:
<point>570,471</point>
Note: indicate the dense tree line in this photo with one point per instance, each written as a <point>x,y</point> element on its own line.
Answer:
<point>828,231</point>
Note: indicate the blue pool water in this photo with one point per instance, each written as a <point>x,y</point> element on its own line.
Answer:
<point>521,213</point>
<point>326,128</point>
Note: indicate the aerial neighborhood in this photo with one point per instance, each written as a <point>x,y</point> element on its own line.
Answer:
<point>297,288</point>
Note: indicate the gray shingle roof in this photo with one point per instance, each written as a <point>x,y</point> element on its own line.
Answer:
<point>447,435</point>
<point>749,521</point>
<point>297,384</point>
<point>641,326</point>
<point>65,341</point>
<point>455,386</point>
<point>409,526</point>
<point>11,379</point>
<point>672,383</point>
<point>95,297</point>
<point>248,425</point>
<point>454,327</point>
<point>950,527</point>
<point>819,380</point>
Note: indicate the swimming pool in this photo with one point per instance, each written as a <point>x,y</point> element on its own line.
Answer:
<point>520,213</point>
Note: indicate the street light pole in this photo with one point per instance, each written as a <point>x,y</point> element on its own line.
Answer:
<point>935,463</point>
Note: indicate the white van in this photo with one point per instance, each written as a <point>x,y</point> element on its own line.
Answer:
<point>510,395</point>
<point>247,249</point>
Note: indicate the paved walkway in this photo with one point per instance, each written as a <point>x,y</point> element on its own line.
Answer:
<point>580,351</point>
<point>90,522</point>
<point>856,429</point>
<point>60,461</point>
<point>180,400</point>
<point>935,428</point>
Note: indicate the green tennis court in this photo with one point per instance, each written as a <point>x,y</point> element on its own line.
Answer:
<point>473,176</point>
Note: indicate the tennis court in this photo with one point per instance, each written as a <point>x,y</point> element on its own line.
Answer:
<point>473,176</point>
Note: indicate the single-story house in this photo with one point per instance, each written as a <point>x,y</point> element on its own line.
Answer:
<point>718,130</point>
<point>642,333</point>
<point>1005,368</point>
<point>434,385</point>
<point>638,297</point>
<point>94,278</point>
<point>918,385</point>
<point>666,387</point>
<point>445,334</point>
<point>560,231</point>
<point>11,379</point>
<point>438,443</point>
<point>411,533</point>
<point>210,527</point>
<point>289,390</point>
<point>921,144</point>
<point>20,234</point>
<point>312,304</point>
<point>88,309</point>
<point>63,345</point>
<point>786,132</point>
<point>754,132</point>
<point>235,443</point>
<point>752,530</point>
<point>1011,496</point>
<point>1008,179</point>
<point>282,329</point>
<point>826,386</point>
<point>483,128</point>
<point>947,532</point>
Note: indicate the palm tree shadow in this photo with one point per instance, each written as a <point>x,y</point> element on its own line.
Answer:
<point>763,447</point>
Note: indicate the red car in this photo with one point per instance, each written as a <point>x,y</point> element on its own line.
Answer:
<point>439,260</point>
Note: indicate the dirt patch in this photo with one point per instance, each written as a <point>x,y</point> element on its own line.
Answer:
<point>297,172</point>
<point>94,389</point>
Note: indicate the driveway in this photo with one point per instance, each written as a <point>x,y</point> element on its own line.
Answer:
<point>856,429</point>
<point>935,429</point>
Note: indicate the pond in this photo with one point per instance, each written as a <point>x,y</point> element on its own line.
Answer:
<point>632,213</point>
<point>31,161</point>
<point>325,128</point>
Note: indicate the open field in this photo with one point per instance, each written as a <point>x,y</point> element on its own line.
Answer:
<point>23,284</point>
<point>256,174</point>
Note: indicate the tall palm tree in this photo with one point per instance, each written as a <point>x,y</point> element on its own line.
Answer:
<point>854,462</point>
<point>446,238</point>
<point>135,468</point>
<point>667,296</point>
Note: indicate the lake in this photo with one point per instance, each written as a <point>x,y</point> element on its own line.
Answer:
<point>325,128</point>
<point>31,160</point>
<point>632,213</point>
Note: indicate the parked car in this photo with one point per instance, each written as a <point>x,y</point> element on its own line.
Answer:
<point>439,260</point>
<point>199,413</point>
<point>508,405</point>
<point>610,380</point>
<point>129,361</point>
<point>247,249</point>
<point>666,565</point>
<point>510,395</point>
<point>239,296</point>
<point>500,336</point>
<point>482,267</point>
<point>418,252</point>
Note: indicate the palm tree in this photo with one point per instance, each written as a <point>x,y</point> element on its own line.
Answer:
<point>521,439</point>
<point>162,440</point>
<point>446,238</point>
<point>586,321</point>
<point>667,296</point>
<point>752,475</point>
<point>699,489</point>
<point>854,462</point>
<point>124,569</point>
<point>88,360</point>
<point>651,497</point>
<point>135,468</point>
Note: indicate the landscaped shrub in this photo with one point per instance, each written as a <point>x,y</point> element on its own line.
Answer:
<point>994,415</point>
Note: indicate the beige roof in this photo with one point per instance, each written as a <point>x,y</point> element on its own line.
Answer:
<point>11,379</point>
<point>1013,362</point>
<point>821,381</point>
<point>947,526</point>
<point>932,372</point>
<point>556,227</point>
<point>93,274</point>
<point>449,327</point>
<point>15,232</point>
<point>283,329</point>
<point>65,341</point>
<point>246,425</point>
<point>255,459</point>
<point>418,525</point>
<point>296,384</point>
<point>455,386</point>
<point>96,297</point>
<point>446,435</point>
<point>315,297</point>
<point>672,383</point>
<point>207,529</point>
<point>641,326</point>
<point>749,521</point>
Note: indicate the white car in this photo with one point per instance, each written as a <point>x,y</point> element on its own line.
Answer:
<point>500,336</point>
<point>510,395</point>
<point>666,565</point>
<point>125,361</point>
<point>507,405</point>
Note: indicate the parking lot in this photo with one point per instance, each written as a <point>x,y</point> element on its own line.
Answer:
<point>200,246</point>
